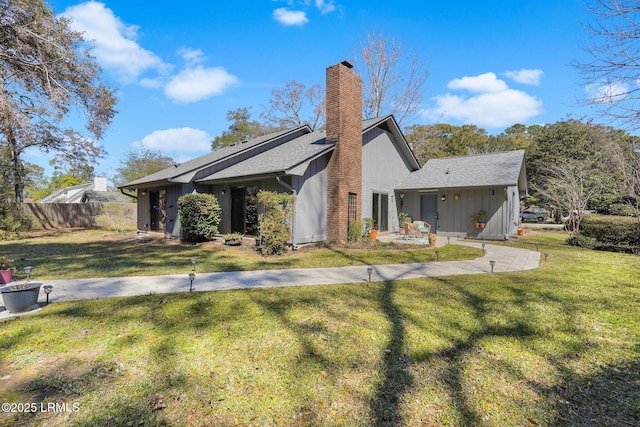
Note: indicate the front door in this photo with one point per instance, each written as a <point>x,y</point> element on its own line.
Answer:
<point>237,210</point>
<point>158,210</point>
<point>380,211</point>
<point>429,210</point>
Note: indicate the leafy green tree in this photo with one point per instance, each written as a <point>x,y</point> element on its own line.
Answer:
<point>57,182</point>
<point>46,72</point>
<point>582,151</point>
<point>139,163</point>
<point>242,128</point>
<point>445,140</point>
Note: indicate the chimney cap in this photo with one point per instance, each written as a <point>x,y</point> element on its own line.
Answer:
<point>347,64</point>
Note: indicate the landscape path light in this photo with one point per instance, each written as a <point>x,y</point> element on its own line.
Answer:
<point>47,290</point>
<point>437,255</point>
<point>369,271</point>
<point>493,263</point>
<point>546,255</point>
<point>194,261</point>
<point>27,271</point>
<point>192,276</point>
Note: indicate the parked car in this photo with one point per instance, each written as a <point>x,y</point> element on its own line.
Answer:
<point>529,215</point>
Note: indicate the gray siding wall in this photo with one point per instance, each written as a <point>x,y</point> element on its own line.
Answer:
<point>453,215</point>
<point>310,216</point>
<point>383,168</point>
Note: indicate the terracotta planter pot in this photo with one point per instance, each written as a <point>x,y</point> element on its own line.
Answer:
<point>373,235</point>
<point>20,298</point>
<point>6,276</point>
<point>520,231</point>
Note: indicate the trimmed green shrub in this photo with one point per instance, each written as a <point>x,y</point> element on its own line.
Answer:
<point>275,232</point>
<point>612,229</point>
<point>581,241</point>
<point>13,221</point>
<point>199,216</point>
<point>614,233</point>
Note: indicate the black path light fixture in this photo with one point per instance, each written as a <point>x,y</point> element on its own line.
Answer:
<point>194,261</point>
<point>537,246</point>
<point>192,277</point>
<point>437,255</point>
<point>546,255</point>
<point>493,264</point>
<point>47,290</point>
<point>352,257</point>
<point>483,247</point>
<point>369,271</point>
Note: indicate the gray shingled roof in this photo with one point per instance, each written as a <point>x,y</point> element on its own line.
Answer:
<point>192,166</point>
<point>484,170</point>
<point>286,157</point>
<point>279,159</point>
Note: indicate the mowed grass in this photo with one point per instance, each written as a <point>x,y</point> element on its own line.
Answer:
<point>94,253</point>
<point>558,345</point>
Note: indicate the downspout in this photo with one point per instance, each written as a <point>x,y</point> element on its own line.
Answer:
<point>293,212</point>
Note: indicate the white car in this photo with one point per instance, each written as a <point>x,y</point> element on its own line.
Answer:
<point>533,216</point>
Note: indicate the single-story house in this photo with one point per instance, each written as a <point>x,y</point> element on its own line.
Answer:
<point>96,191</point>
<point>350,170</point>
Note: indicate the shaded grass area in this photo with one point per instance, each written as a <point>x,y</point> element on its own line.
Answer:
<point>558,345</point>
<point>92,253</point>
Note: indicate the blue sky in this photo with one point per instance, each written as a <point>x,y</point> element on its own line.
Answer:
<point>178,67</point>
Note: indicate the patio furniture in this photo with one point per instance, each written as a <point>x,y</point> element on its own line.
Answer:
<point>423,227</point>
<point>411,230</point>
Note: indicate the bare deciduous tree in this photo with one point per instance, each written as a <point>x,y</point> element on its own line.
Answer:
<point>613,73</point>
<point>390,85</point>
<point>294,105</point>
<point>45,73</point>
<point>570,186</point>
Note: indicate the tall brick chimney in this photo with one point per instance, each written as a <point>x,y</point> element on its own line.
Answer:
<point>344,127</point>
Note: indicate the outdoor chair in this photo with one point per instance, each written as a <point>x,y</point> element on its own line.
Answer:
<point>424,228</point>
<point>411,230</point>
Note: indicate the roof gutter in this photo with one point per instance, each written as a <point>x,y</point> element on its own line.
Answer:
<point>293,213</point>
<point>127,194</point>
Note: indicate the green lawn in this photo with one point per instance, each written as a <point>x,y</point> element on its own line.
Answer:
<point>92,253</point>
<point>558,345</point>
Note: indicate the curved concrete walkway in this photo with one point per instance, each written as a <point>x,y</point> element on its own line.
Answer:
<point>506,259</point>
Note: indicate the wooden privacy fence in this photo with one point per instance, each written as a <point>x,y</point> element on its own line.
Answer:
<point>71,215</point>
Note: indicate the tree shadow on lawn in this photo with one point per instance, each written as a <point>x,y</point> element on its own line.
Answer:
<point>610,397</point>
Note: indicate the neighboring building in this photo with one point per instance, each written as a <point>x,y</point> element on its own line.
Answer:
<point>352,170</point>
<point>96,191</point>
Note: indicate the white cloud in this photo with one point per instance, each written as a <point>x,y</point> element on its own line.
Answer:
<point>191,56</point>
<point>115,47</point>
<point>494,104</point>
<point>290,17</point>
<point>487,82</point>
<point>177,140</point>
<point>527,77</point>
<point>195,84</point>
<point>608,93</point>
<point>325,6</point>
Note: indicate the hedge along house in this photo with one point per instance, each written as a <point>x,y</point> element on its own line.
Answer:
<point>447,192</point>
<point>348,171</point>
<point>351,170</point>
